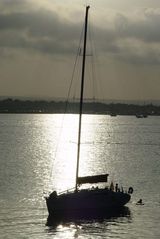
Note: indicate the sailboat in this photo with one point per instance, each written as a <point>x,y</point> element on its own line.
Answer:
<point>94,200</point>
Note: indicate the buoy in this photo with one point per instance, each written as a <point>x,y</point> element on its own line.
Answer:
<point>140,202</point>
<point>130,190</point>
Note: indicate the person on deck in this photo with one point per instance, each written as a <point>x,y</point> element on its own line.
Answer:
<point>116,187</point>
<point>112,186</point>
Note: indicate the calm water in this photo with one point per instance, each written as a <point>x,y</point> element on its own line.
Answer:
<point>37,155</point>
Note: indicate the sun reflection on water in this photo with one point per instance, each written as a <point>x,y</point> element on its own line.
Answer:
<point>63,171</point>
<point>65,150</point>
<point>98,144</point>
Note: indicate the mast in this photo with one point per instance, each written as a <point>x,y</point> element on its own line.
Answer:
<point>81,92</point>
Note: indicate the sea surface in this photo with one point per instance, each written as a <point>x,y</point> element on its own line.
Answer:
<point>38,155</point>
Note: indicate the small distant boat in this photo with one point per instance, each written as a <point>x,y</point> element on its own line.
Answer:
<point>141,115</point>
<point>92,200</point>
<point>113,114</point>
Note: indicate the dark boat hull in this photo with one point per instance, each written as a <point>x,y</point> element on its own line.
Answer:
<point>86,203</point>
<point>88,216</point>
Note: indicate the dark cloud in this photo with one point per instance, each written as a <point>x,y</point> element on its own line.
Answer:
<point>7,6</point>
<point>135,40</point>
<point>144,28</point>
<point>41,30</point>
<point>45,31</point>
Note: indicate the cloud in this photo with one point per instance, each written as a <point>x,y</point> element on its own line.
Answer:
<point>134,38</point>
<point>143,26</point>
<point>41,30</point>
<point>7,6</point>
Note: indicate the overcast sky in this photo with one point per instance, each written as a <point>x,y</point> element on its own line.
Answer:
<point>39,39</point>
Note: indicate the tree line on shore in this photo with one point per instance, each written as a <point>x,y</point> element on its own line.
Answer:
<point>10,105</point>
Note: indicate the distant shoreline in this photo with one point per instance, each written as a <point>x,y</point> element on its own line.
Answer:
<point>48,107</point>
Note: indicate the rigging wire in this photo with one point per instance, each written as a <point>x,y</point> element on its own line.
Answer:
<point>93,75</point>
<point>99,90</point>
<point>67,100</point>
<point>74,68</point>
<point>76,63</point>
